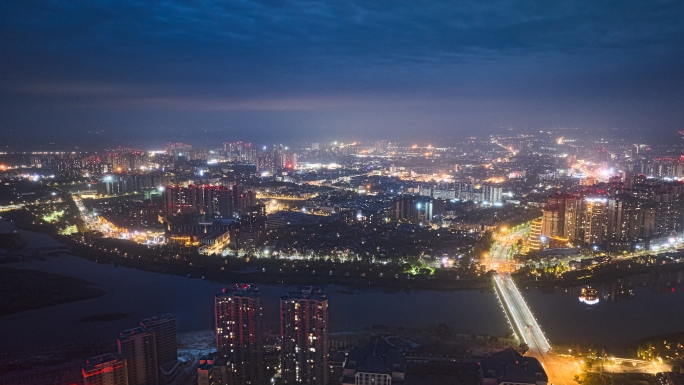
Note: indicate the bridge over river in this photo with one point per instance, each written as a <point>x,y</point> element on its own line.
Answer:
<point>559,370</point>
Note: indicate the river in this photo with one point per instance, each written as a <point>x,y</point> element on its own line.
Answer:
<point>143,294</point>
<point>627,309</point>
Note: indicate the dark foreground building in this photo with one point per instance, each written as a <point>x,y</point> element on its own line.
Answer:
<point>376,363</point>
<point>380,363</point>
<point>106,369</point>
<point>509,366</point>
<point>137,346</point>
<point>166,347</point>
<point>304,336</point>
<point>239,338</point>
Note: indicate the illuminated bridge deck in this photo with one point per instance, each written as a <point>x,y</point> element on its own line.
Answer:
<point>522,320</point>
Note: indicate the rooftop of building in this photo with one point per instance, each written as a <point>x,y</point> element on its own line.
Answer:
<point>99,360</point>
<point>170,367</point>
<point>510,366</point>
<point>443,372</point>
<point>375,357</point>
<point>240,290</point>
<point>306,292</point>
<point>158,318</point>
<point>133,332</point>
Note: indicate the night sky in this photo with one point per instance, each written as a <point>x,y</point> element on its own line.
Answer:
<point>140,73</point>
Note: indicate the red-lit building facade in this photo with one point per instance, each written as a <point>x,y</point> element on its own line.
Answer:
<point>106,369</point>
<point>304,336</point>
<point>238,315</point>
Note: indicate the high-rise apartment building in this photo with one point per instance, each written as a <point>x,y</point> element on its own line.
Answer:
<point>242,200</point>
<point>536,234</point>
<point>304,337</point>
<point>416,209</point>
<point>164,329</point>
<point>278,159</point>
<point>628,219</point>
<point>209,201</point>
<point>669,212</point>
<point>593,224</point>
<point>551,221</point>
<point>137,346</point>
<point>579,219</point>
<point>572,206</point>
<point>617,219</point>
<point>181,200</point>
<point>179,151</point>
<point>238,316</point>
<point>559,214</point>
<point>493,193</point>
<point>106,369</point>
<point>266,163</point>
<point>290,161</point>
<point>123,184</point>
<point>240,151</point>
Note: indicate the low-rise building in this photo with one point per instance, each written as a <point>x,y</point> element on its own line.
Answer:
<point>375,363</point>
<point>444,371</point>
<point>510,367</point>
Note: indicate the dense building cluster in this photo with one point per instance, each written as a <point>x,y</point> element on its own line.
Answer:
<point>207,201</point>
<point>624,216</point>
<point>305,350</point>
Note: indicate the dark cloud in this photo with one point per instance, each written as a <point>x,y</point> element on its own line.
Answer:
<point>314,67</point>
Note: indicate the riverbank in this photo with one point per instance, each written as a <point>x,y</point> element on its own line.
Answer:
<point>142,294</point>
<point>228,270</point>
<point>29,289</point>
<point>268,271</point>
<point>585,277</point>
<point>355,275</point>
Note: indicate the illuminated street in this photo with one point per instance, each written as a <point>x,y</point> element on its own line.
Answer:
<point>342,193</point>
<point>559,370</point>
<point>499,255</point>
<point>623,365</point>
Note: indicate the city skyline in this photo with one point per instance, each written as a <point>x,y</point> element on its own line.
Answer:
<point>91,74</point>
<point>305,192</point>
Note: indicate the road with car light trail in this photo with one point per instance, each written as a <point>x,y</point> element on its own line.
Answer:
<point>559,370</point>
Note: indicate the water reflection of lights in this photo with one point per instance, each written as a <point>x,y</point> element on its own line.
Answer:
<point>589,301</point>
<point>589,295</point>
